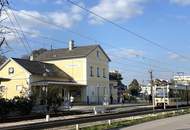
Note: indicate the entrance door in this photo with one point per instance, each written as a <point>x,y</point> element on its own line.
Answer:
<point>77,95</point>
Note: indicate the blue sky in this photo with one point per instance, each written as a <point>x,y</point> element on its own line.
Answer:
<point>166,22</point>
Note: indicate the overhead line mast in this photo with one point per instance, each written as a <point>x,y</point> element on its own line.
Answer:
<point>3,31</point>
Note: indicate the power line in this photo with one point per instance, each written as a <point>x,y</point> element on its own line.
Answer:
<point>127,30</point>
<point>39,35</point>
<point>71,31</point>
<point>21,30</point>
<point>53,39</point>
<point>57,26</point>
<point>20,38</point>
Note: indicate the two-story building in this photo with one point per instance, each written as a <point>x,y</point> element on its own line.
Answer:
<point>78,71</point>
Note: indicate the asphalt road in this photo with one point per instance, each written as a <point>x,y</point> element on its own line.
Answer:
<point>173,123</point>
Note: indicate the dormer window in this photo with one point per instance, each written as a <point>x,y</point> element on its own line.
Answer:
<point>11,70</point>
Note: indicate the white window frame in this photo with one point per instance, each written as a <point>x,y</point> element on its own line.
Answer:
<point>2,88</point>
<point>19,88</point>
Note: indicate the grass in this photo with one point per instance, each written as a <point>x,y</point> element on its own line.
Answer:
<point>127,123</point>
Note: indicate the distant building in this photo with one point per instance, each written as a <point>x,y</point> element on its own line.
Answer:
<point>117,88</point>
<point>78,71</point>
<point>145,89</point>
<point>184,80</point>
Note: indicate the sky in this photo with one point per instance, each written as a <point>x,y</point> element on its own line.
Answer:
<point>52,23</point>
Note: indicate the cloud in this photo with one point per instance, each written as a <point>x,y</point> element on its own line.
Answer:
<point>117,10</point>
<point>62,18</point>
<point>173,56</point>
<point>124,53</point>
<point>66,19</point>
<point>181,2</point>
<point>59,2</point>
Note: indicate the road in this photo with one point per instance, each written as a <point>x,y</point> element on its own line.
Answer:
<point>173,123</point>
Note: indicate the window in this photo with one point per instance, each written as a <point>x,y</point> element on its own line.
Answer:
<point>19,87</point>
<point>98,72</point>
<point>2,89</point>
<point>104,72</point>
<point>91,71</point>
<point>161,92</point>
<point>98,54</point>
<point>11,70</point>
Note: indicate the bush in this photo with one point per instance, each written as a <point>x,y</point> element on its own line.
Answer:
<point>5,107</point>
<point>130,99</point>
<point>20,105</point>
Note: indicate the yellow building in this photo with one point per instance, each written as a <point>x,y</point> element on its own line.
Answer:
<point>81,72</point>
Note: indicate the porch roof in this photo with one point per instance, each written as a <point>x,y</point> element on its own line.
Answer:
<point>54,82</point>
<point>4,79</point>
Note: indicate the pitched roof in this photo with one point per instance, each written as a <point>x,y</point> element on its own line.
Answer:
<point>40,68</point>
<point>65,53</point>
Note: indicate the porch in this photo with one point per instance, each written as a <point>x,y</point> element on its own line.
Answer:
<point>45,90</point>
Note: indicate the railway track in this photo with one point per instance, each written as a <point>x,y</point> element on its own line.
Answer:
<point>66,122</point>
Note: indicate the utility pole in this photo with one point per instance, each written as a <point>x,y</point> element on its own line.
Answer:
<point>152,90</point>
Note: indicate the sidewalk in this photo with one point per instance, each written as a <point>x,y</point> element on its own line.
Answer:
<point>114,108</point>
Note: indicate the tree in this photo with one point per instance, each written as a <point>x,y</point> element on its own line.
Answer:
<point>134,88</point>
<point>39,51</point>
<point>26,56</point>
<point>117,77</point>
<point>35,53</point>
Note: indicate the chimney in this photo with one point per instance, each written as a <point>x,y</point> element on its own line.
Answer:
<point>71,45</point>
<point>31,57</point>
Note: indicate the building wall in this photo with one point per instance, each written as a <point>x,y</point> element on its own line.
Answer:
<point>75,67</point>
<point>79,69</point>
<point>114,90</point>
<point>98,87</point>
<point>145,89</point>
<point>20,78</point>
<point>182,79</point>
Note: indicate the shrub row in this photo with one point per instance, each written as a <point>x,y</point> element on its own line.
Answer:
<point>15,106</point>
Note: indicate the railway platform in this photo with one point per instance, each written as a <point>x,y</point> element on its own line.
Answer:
<point>113,108</point>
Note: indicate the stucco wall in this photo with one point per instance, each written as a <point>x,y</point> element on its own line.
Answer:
<point>98,87</point>
<point>76,68</point>
<point>20,77</point>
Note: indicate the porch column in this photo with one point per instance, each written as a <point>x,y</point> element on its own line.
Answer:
<point>66,94</point>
